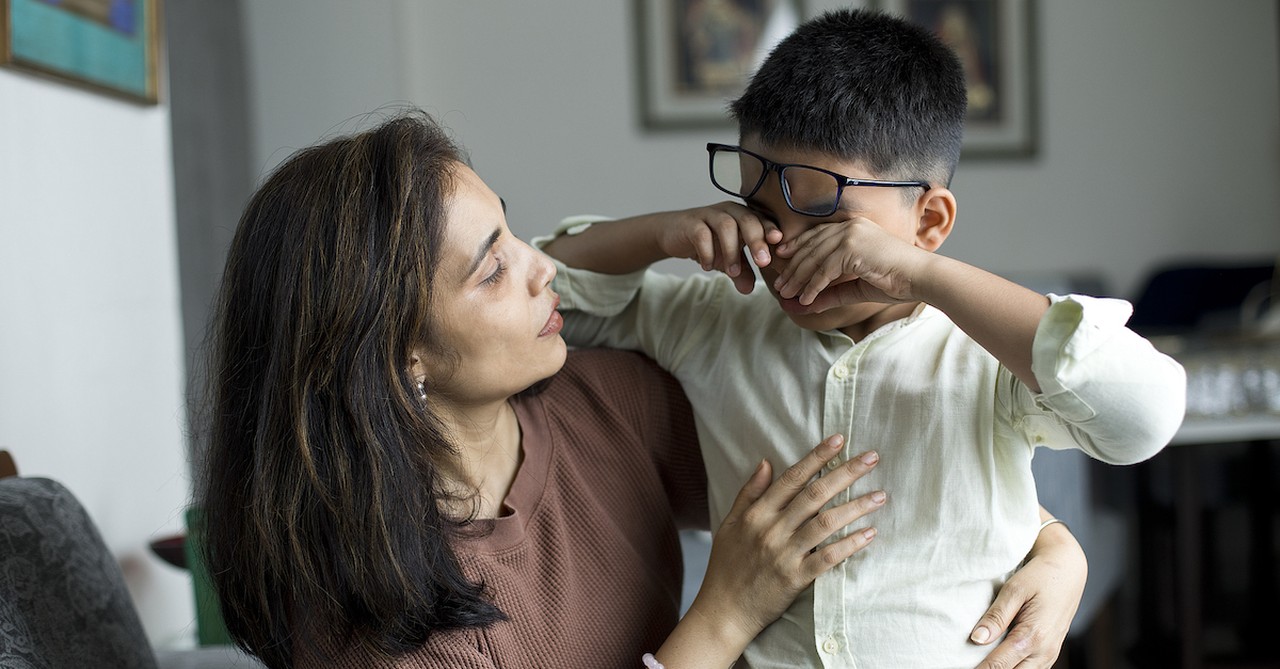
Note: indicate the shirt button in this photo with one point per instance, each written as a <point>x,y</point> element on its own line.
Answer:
<point>841,372</point>
<point>833,463</point>
<point>831,646</point>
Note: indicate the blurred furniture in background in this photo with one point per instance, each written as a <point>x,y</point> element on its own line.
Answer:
<point>63,599</point>
<point>7,466</point>
<point>210,629</point>
<point>1193,296</point>
<point>183,552</point>
<point>1207,513</point>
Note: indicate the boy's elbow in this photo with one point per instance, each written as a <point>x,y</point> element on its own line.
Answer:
<point>1150,423</point>
<point>1132,447</point>
<point>1137,447</point>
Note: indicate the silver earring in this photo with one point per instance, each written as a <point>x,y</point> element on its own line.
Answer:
<point>422,390</point>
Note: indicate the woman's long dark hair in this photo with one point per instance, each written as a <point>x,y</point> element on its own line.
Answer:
<point>321,487</point>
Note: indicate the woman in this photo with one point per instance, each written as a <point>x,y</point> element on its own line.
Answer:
<point>395,478</point>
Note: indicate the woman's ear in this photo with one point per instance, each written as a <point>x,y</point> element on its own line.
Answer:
<point>937,207</point>
<point>417,369</point>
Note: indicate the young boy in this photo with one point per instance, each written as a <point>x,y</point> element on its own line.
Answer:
<point>849,136</point>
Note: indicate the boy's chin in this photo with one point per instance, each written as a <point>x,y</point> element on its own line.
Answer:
<point>819,321</point>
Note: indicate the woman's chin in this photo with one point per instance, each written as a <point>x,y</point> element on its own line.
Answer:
<point>557,355</point>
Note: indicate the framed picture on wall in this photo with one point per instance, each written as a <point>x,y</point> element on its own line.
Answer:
<point>994,41</point>
<point>697,55</point>
<point>106,45</point>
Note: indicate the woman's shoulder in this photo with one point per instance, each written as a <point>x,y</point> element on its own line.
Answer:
<point>608,376</point>
<point>590,364</point>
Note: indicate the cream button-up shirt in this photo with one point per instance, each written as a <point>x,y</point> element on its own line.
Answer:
<point>955,430</point>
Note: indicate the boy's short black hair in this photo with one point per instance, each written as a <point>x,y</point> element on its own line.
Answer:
<point>864,86</point>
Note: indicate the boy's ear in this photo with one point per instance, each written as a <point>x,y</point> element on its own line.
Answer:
<point>937,208</point>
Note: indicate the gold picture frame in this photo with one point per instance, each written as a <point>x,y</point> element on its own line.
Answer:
<point>110,46</point>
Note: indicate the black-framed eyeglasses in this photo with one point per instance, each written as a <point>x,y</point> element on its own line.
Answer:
<point>811,191</point>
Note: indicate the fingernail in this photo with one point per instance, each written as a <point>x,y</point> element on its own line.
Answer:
<point>869,533</point>
<point>762,256</point>
<point>869,458</point>
<point>733,270</point>
<point>980,635</point>
<point>878,497</point>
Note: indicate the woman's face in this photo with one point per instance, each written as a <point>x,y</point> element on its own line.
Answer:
<point>497,328</point>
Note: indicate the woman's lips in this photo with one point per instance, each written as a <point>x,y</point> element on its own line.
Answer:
<point>555,322</point>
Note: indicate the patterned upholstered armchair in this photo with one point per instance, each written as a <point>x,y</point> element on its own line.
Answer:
<point>63,600</point>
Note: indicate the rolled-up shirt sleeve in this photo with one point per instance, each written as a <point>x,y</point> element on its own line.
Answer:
<point>1116,396</point>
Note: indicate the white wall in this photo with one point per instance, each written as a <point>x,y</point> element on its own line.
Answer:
<point>90,360</point>
<point>1158,121</point>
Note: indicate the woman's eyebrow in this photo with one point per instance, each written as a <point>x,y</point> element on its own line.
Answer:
<point>484,250</point>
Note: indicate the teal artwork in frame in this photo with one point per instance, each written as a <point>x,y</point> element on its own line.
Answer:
<point>108,45</point>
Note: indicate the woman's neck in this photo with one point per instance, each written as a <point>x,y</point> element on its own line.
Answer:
<point>489,454</point>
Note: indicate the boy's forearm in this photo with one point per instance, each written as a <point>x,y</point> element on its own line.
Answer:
<point>998,314</point>
<point>610,247</point>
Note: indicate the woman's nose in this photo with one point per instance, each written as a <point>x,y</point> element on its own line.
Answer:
<point>542,271</point>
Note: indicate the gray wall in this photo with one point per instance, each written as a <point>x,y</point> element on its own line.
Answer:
<point>212,172</point>
<point>1159,120</point>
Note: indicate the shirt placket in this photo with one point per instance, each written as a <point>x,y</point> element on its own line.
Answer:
<point>830,613</point>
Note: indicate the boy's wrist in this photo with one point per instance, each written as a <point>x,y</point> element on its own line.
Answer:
<point>926,279</point>
<point>657,226</point>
